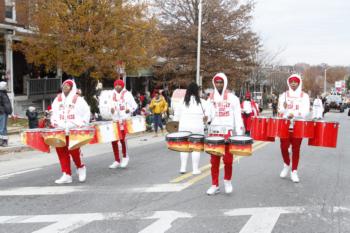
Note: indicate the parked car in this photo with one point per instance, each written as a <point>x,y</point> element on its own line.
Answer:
<point>335,102</point>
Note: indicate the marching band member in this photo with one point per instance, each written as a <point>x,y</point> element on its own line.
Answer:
<point>293,103</point>
<point>226,111</point>
<point>249,110</point>
<point>123,105</point>
<point>69,111</point>
<point>192,114</point>
<point>317,108</point>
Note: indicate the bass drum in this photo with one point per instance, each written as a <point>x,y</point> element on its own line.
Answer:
<point>104,104</point>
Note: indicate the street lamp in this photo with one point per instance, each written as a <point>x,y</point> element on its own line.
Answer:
<point>198,81</point>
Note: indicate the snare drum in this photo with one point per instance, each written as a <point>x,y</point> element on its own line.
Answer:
<point>135,124</point>
<point>106,131</point>
<point>34,139</point>
<point>278,127</point>
<point>54,137</point>
<point>303,129</point>
<point>240,145</point>
<point>196,142</point>
<point>80,136</point>
<point>214,145</point>
<point>326,134</point>
<point>178,141</point>
<point>258,129</point>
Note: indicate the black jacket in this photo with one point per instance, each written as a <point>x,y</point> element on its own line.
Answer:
<point>5,103</point>
<point>32,119</point>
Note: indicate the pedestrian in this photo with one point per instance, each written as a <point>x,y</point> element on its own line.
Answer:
<point>226,112</point>
<point>32,116</point>
<point>69,110</point>
<point>158,107</point>
<point>292,104</point>
<point>274,106</point>
<point>123,105</point>
<point>5,111</point>
<point>249,110</point>
<point>192,114</point>
<point>317,108</point>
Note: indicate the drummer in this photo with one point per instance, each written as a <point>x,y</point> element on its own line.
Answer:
<point>123,105</point>
<point>192,114</point>
<point>292,104</point>
<point>226,110</point>
<point>249,110</point>
<point>69,111</point>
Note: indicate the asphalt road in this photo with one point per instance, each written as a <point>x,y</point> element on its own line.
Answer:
<point>151,196</point>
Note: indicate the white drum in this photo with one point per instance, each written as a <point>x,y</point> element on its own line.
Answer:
<point>136,124</point>
<point>106,131</point>
<point>105,103</point>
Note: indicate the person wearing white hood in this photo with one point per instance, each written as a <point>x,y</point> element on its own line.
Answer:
<point>226,111</point>
<point>122,106</point>
<point>292,104</point>
<point>70,111</point>
<point>317,108</point>
<point>192,115</point>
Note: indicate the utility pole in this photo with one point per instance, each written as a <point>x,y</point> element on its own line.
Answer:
<point>198,81</point>
<point>325,81</point>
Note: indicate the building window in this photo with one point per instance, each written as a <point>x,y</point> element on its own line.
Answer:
<point>10,10</point>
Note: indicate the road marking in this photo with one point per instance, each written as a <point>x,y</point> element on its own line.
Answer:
<point>19,173</point>
<point>48,190</point>
<point>160,188</point>
<point>262,220</point>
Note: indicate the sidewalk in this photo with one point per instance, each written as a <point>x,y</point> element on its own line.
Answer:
<point>15,144</point>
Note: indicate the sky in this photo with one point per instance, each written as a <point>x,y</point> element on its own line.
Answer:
<point>309,31</point>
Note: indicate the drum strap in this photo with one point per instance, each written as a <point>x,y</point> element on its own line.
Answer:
<point>75,98</point>
<point>301,95</point>
<point>211,96</point>
<point>121,97</point>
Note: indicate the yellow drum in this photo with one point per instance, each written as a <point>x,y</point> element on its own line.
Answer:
<point>54,137</point>
<point>214,145</point>
<point>80,136</point>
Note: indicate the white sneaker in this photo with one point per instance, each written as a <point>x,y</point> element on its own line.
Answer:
<point>125,162</point>
<point>213,190</point>
<point>294,176</point>
<point>114,165</point>
<point>65,179</point>
<point>285,171</point>
<point>228,186</point>
<point>196,172</point>
<point>82,174</point>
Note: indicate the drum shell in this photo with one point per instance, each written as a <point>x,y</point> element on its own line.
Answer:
<point>179,143</point>
<point>326,134</point>
<point>278,127</point>
<point>196,143</point>
<point>34,139</point>
<point>135,124</point>
<point>80,137</point>
<point>258,129</point>
<point>303,129</point>
<point>105,132</point>
<point>240,147</point>
<point>54,137</point>
<point>214,147</point>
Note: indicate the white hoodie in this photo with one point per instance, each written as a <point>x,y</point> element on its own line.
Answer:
<point>121,102</point>
<point>317,108</point>
<point>226,108</point>
<point>298,102</point>
<point>191,117</point>
<point>66,114</point>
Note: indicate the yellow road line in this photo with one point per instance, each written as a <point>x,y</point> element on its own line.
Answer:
<point>178,179</point>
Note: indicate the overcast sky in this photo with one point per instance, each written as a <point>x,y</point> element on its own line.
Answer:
<point>311,31</point>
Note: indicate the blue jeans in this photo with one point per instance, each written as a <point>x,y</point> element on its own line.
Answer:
<point>157,120</point>
<point>3,126</point>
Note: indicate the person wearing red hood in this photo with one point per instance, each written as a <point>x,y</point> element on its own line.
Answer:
<point>69,111</point>
<point>292,104</point>
<point>123,105</point>
<point>225,113</point>
<point>249,110</point>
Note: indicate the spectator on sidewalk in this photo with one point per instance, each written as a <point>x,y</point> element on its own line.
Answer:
<point>32,115</point>
<point>158,106</point>
<point>5,111</point>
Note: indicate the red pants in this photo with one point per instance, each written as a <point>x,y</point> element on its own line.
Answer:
<point>295,142</point>
<point>215,166</point>
<point>64,158</point>
<point>116,148</point>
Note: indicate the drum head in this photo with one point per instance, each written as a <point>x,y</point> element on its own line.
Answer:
<point>196,138</point>
<point>182,135</point>
<point>242,140</point>
<point>215,140</point>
